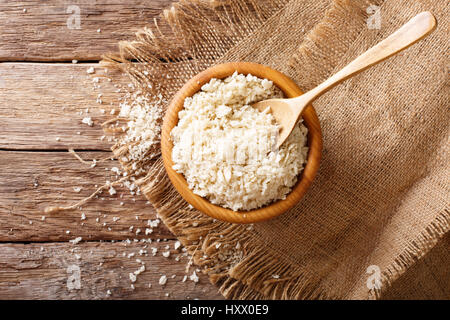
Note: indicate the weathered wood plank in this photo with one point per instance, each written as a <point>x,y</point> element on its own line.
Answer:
<point>37,31</point>
<point>40,271</point>
<point>43,105</point>
<point>31,181</point>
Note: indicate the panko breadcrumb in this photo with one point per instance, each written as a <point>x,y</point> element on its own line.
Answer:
<point>225,148</point>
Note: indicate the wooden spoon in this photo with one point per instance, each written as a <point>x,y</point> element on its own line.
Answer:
<point>288,111</point>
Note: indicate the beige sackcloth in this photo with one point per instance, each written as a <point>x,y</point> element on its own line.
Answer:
<point>380,200</point>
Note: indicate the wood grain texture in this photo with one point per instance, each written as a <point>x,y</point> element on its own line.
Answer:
<point>43,105</point>
<point>42,33</point>
<point>291,90</point>
<point>40,271</point>
<point>30,181</point>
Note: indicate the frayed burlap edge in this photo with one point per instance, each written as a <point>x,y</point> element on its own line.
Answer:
<point>250,263</point>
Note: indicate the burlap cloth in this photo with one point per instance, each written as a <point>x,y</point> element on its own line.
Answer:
<point>381,197</point>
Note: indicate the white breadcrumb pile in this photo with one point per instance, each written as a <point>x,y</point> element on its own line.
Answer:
<point>225,148</point>
<point>144,123</point>
<point>140,134</point>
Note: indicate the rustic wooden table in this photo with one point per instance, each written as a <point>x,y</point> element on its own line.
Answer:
<point>42,94</point>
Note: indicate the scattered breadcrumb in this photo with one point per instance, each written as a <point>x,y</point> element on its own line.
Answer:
<point>144,115</point>
<point>194,277</point>
<point>76,240</point>
<point>225,148</point>
<point>140,270</point>
<point>163,280</point>
<point>115,170</point>
<point>112,191</point>
<point>88,121</point>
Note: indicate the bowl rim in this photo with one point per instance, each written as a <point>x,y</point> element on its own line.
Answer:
<point>314,141</point>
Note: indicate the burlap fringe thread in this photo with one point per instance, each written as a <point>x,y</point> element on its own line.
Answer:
<point>220,25</point>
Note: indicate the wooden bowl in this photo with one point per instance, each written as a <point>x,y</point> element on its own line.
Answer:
<point>290,90</point>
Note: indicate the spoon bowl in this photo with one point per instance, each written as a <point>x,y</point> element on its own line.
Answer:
<point>285,114</point>
<point>290,90</point>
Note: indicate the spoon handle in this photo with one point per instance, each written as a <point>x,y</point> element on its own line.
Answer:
<point>411,32</point>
